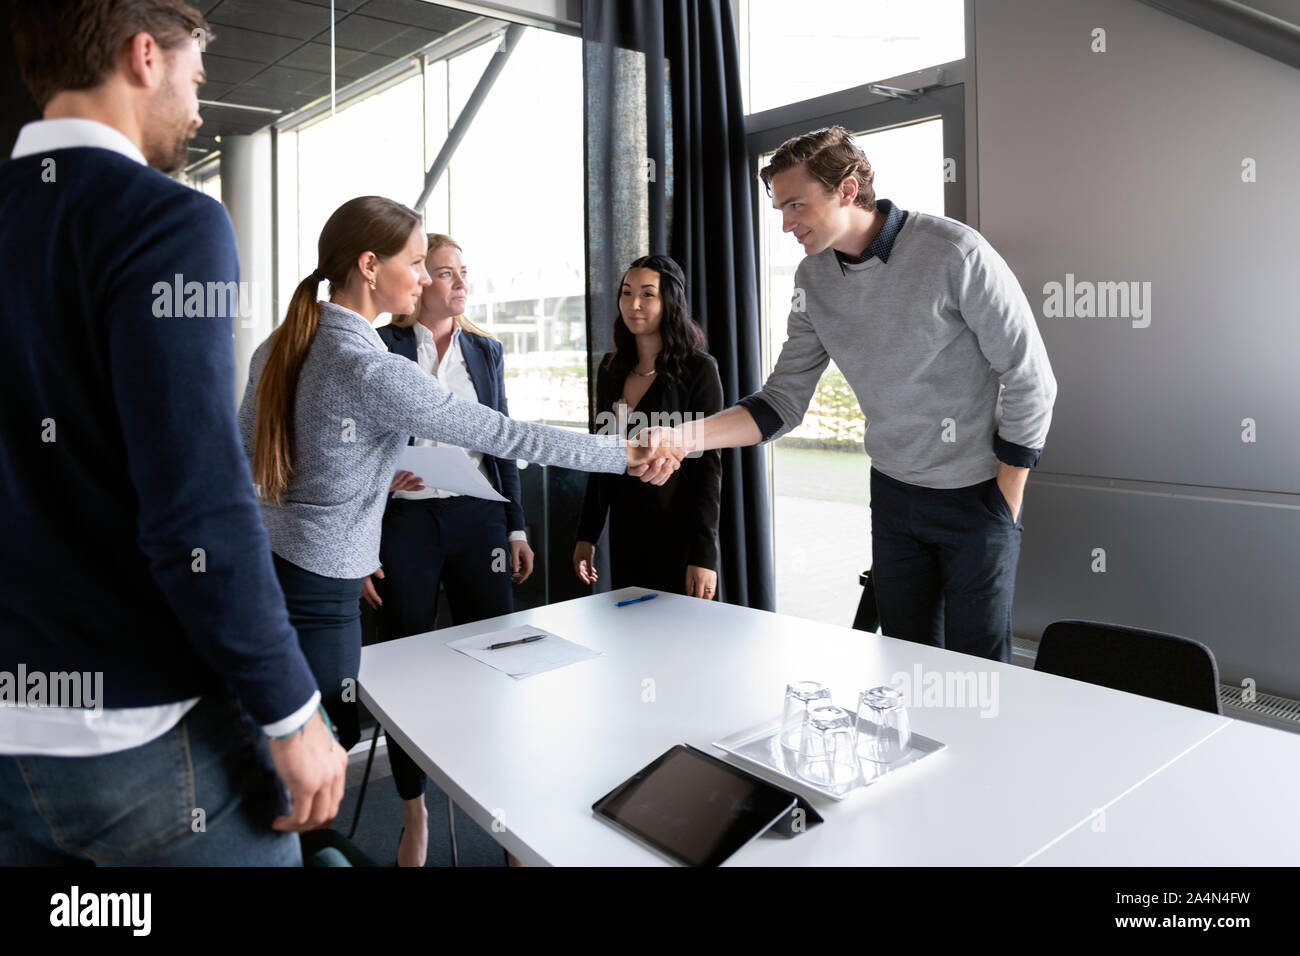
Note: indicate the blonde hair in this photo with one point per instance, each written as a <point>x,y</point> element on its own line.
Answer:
<point>438,241</point>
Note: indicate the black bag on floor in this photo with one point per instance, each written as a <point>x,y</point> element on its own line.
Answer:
<point>868,616</point>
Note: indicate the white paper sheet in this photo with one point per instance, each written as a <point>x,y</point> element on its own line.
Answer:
<point>446,467</point>
<point>523,660</point>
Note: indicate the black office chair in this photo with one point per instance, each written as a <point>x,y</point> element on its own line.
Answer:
<point>1164,666</point>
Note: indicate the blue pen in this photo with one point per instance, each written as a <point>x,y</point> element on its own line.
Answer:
<point>644,597</point>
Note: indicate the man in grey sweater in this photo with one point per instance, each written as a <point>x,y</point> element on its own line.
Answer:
<point>931,329</point>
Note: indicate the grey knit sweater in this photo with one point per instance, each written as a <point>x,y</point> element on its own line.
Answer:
<point>940,346</point>
<point>354,409</point>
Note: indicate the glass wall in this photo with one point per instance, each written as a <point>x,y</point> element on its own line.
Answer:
<point>792,56</point>
<point>512,199</point>
<point>515,204</point>
<point>794,51</point>
<point>820,470</point>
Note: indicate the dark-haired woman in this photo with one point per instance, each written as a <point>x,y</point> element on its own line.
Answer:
<point>663,538</point>
<point>326,413</point>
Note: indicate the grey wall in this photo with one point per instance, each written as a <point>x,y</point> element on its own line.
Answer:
<point>1127,166</point>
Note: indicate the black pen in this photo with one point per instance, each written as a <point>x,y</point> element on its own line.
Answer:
<point>522,640</point>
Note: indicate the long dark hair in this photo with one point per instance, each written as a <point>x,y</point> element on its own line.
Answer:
<point>679,334</point>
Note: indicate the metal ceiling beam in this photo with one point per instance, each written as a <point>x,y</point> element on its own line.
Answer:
<point>1239,23</point>
<point>471,34</point>
<point>466,118</point>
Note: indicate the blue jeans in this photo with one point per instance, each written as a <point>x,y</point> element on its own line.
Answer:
<point>202,794</point>
<point>326,613</point>
<point>944,565</point>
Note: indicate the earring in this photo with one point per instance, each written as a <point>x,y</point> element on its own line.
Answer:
<point>372,285</point>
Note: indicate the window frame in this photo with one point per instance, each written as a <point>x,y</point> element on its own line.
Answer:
<point>860,110</point>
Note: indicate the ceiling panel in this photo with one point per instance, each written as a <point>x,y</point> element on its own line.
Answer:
<point>275,54</point>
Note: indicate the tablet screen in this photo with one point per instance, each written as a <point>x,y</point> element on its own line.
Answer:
<point>693,807</point>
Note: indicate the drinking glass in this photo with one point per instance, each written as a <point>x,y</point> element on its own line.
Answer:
<point>884,734</point>
<point>828,753</point>
<point>799,696</point>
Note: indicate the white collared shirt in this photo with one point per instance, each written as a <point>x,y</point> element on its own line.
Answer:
<point>452,372</point>
<point>73,732</point>
<point>45,136</point>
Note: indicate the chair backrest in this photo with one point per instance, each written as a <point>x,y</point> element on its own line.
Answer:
<point>1164,666</point>
<point>331,848</point>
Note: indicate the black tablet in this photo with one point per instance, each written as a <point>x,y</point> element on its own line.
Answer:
<point>693,808</point>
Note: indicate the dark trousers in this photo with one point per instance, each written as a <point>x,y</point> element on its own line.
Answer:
<point>326,612</point>
<point>458,542</point>
<point>944,565</point>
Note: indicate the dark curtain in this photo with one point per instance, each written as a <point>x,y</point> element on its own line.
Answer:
<point>667,172</point>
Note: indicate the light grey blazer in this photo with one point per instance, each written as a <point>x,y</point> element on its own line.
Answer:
<point>354,409</point>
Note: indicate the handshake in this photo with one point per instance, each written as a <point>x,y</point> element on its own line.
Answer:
<point>653,454</point>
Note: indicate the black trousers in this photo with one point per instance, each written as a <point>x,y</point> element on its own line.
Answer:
<point>457,542</point>
<point>944,565</point>
<point>326,612</point>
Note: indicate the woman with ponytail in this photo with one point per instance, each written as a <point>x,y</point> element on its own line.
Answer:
<point>326,413</point>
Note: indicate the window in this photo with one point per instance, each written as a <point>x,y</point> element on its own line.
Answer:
<point>791,52</point>
<point>210,186</point>
<point>512,198</point>
<point>515,204</point>
<point>374,147</point>
<point>822,525</point>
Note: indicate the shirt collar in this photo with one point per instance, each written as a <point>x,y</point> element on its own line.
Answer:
<point>44,136</point>
<point>424,337</point>
<point>883,244</point>
<point>339,317</point>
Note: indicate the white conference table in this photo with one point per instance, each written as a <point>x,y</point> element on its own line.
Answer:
<point>1232,801</point>
<point>527,758</point>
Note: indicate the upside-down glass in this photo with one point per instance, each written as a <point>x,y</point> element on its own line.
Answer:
<point>828,753</point>
<point>799,696</point>
<point>884,734</point>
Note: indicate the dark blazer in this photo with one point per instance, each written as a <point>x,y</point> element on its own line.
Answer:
<point>121,467</point>
<point>484,357</point>
<point>656,532</point>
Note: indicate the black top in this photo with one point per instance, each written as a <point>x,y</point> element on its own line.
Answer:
<point>657,532</point>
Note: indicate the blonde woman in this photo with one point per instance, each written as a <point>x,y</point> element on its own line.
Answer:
<point>434,537</point>
<point>328,409</point>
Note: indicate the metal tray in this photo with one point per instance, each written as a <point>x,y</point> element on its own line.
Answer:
<point>760,745</point>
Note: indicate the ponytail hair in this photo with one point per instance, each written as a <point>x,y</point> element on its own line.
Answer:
<point>361,225</point>
<point>272,438</point>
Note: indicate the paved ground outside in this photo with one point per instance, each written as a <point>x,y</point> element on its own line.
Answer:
<point>823,532</point>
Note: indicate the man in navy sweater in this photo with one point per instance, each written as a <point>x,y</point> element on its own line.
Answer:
<point>143,633</point>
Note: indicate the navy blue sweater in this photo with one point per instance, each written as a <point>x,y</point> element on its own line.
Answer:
<point>119,456</point>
